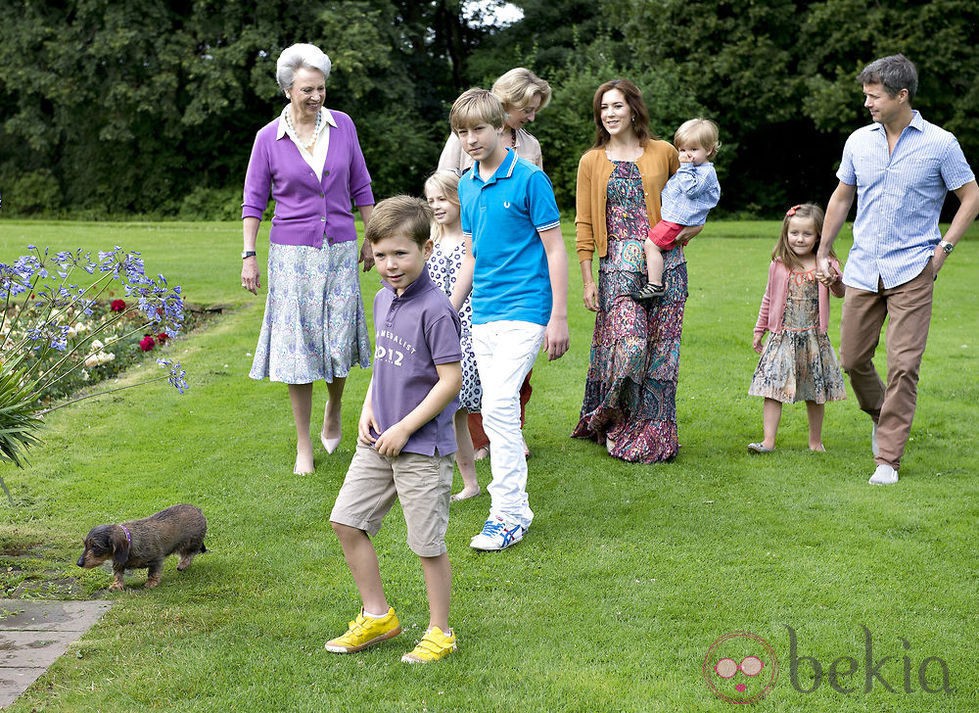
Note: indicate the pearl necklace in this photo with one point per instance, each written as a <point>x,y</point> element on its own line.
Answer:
<point>316,130</point>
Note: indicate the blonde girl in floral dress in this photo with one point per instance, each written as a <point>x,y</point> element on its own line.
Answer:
<point>441,192</point>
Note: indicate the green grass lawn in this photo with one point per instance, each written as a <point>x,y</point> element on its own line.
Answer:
<point>627,577</point>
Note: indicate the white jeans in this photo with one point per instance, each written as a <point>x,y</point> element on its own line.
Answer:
<point>505,352</point>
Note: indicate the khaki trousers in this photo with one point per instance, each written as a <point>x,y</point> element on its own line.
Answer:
<point>892,405</point>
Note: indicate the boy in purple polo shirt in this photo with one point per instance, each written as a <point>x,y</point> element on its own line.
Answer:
<point>406,437</point>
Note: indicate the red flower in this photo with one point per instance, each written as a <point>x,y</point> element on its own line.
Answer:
<point>118,306</point>
<point>147,342</point>
<point>162,337</point>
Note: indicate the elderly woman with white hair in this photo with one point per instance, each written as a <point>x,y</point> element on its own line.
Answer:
<point>310,160</point>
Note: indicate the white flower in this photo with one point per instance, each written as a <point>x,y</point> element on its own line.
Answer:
<point>98,359</point>
<point>97,346</point>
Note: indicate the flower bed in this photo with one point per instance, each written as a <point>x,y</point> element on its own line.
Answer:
<point>57,335</point>
<point>121,343</point>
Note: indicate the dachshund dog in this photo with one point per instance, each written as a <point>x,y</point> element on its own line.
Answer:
<point>146,543</point>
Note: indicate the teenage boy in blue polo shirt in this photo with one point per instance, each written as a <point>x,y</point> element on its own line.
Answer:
<point>405,436</point>
<point>899,168</point>
<point>517,270</point>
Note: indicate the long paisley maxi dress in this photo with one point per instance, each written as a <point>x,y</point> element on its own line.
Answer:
<point>630,390</point>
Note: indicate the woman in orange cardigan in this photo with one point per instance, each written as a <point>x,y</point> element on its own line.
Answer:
<point>630,391</point>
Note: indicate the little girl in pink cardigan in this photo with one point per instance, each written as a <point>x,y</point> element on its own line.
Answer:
<point>798,362</point>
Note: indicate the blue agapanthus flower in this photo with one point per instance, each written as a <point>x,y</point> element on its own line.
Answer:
<point>177,376</point>
<point>51,322</point>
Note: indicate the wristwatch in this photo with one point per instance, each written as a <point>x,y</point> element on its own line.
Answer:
<point>946,246</point>
<point>247,254</point>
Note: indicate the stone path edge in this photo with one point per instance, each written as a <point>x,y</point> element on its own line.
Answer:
<point>34,633</point>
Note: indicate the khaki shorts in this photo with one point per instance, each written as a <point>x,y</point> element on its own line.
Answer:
<point>422,483</point>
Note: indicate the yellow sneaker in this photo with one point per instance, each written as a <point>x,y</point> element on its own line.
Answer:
<point>434,646</point>
<point>365,631</point>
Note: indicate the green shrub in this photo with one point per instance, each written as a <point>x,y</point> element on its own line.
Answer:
<point>33,193</point>
<point>211,204</point>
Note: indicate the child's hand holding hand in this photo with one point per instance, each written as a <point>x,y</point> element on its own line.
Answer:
<point>825,272</point>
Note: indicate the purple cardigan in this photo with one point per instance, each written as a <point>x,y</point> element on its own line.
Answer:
<point>307,210</point>
<point>773,303</point>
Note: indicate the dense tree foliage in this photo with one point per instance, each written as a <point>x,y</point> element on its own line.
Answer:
<point>778,76</point>
<point>119,107</point>
<point>150,106</point>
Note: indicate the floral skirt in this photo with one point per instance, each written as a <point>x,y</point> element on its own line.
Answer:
<point>314,326</point>
<point>630,389</point>
<point>798,366</point>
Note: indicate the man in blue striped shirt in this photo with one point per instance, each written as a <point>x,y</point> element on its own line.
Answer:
<point>899,168</point>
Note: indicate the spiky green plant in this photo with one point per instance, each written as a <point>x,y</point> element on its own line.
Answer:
<point>19,422</point>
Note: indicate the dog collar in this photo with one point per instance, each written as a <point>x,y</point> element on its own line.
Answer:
<point>129,538</point>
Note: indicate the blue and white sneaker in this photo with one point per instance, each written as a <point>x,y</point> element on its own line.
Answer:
<point>497,534</point>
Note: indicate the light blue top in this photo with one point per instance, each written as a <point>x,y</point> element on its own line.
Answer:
<point>899,199</point>
<point>503,216</point>
<point>690,194</point>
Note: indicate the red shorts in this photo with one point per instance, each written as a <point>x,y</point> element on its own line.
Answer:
<point>664,233</point>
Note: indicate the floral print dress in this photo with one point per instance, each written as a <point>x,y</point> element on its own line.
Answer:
<point>630,389</point>
<point>443,268</point>
<point>798,363</point>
